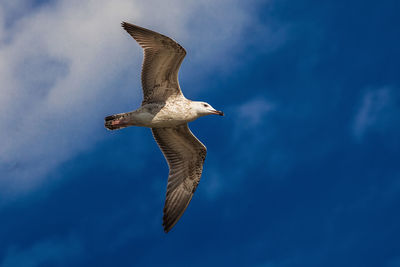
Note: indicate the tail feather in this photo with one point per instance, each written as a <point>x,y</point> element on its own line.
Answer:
<point>115,122</point>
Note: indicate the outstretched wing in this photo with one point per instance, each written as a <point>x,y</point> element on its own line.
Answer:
<point>185,155</point>
<point>162,59</point>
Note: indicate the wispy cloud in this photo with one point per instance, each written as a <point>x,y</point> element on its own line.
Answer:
<point>247,119</point>
<point>57,252</point>
<point>376,109</point>
<point>394,262</point>
<point>65,64</point>
<point>254,111</point>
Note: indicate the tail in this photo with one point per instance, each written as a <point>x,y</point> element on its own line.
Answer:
<point>115,122</point>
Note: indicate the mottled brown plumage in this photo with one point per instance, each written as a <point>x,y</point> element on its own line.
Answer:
<point>166,111</point>
<point>162,60</point>
<point>185,155</point>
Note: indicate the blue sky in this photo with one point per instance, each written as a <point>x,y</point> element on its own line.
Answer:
<point>302,171</point>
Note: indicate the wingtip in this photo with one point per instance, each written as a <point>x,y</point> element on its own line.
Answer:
<point>167,227</point>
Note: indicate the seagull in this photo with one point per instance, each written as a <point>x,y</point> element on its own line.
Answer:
<point>167,112</point>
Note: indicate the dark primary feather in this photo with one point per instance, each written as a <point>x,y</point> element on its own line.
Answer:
<point>185,155</point>
<point>162,60</point>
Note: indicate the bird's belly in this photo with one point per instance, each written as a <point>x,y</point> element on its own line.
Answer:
<point>159,120</point>
<point>159,116</point>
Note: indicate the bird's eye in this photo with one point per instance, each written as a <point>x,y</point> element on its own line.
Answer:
<point>205,105</point>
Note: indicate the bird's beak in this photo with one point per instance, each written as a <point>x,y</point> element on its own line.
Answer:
<point>218,112</point>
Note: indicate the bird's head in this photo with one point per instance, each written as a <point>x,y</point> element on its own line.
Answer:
<point>203,109</point>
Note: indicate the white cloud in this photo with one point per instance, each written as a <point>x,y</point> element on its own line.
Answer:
<point>67,64</point>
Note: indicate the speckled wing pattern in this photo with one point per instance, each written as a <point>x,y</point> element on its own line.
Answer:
<point>185,155</point>
<point>162,59</point>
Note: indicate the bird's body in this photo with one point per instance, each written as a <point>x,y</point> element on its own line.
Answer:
<point>157,115</point>
<point>166,111</point>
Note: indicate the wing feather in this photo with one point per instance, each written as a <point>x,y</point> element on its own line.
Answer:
<point>185,155</point>
<point>162,60</point>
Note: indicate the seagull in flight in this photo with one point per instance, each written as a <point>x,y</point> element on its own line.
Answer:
<point>167,112</point>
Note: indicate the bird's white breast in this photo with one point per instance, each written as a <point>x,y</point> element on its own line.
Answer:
<point>168,114</point>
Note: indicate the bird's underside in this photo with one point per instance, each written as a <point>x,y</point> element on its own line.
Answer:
<point>184,153</point>
<point>162,60</point>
